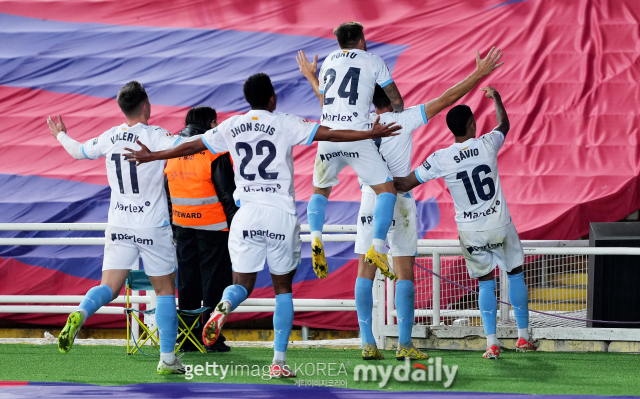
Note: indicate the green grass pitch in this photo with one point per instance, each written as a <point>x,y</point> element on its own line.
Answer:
<point>533,373</point>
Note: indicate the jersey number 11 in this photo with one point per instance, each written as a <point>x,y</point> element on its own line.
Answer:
<point>133,172</point>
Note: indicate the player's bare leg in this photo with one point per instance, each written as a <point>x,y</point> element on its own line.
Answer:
<point>108,290</point>
<point>282,323</point>
<point>382,217</point>
<point>315,215</point>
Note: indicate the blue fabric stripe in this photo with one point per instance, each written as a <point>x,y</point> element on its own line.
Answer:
<point>418,176</point>
<point>424,114</point>
<point>321,91</point>
<point>84,153</point>
<point>207,144</point>
<point>386,83</point>
<point>313,134</point>
<point>175,143</point>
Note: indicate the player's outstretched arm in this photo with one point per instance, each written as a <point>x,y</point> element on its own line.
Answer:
<point>406,183</point>
<point>144,155</point>
<point>391,90</point>
<point>59,132</point>
<point>377,131</point>
<point>483,68</point>
<point>501,113</point>
<point>308,70</point>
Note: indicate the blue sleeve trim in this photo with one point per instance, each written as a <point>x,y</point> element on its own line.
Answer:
<point>207,144</point>
<point>313,134</point>
<point>424,114</point>
<point>418,176</point>
<point>386,83</point>
<point>84,153</point>
<point>321,91</point>
<point>175,143</point>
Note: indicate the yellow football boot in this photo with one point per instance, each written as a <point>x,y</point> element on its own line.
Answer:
<point>317,257</point>
<point>381,262</point>
<point>371,352</point>
<point>410,352</point>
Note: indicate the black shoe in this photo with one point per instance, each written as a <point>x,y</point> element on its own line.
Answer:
<point>188,347</point>
<point>218,346</point>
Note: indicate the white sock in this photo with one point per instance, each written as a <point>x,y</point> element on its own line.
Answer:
<point>279,357</point>
<point>379,245</point>
<point>316,234</point>
<point>523,333</point>
<point>492,340</point>
<point>168,357</point>
<point>83,312</point>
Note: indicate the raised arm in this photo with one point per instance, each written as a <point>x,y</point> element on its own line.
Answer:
<point>483,68</point>
<point>59,132</point>
<point>143,155</point>
<point>326,134</point>
<point>391,90</point>
<point>308,70</point>
<point>501,113</point>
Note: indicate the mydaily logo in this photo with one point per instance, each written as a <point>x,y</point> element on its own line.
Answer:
<point>434,371</point>
<point>262,233</point>
<point>143,241</point>
<point>328,156</point>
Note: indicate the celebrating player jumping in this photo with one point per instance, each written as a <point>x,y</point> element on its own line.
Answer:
<point>347,80</point>
<point>487,234</point>
<point>266,226</point>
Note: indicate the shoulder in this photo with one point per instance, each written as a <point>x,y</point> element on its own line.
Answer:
<point>157,130</point>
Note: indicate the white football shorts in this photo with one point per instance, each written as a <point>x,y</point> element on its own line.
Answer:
<point>262,232</point>
<point>154,245</point>
<point>363,157</point>
<point>484,250</point>
<point>403,233</point>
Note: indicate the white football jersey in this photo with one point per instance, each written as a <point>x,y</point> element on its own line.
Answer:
<point>138,198</point>
<point>470,170</point>
<point>347,81</point>
<point>260,144</point>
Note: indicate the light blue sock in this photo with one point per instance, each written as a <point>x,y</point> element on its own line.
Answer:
<point>282,321</point>
<point>382,218</point>
<point>95,298</point>
<point>405,304</point>
<point>488,305</point>
<point>364,308</point>
<point>519,298</point>
<point>315,213</point>
<point>235,294</point>
<point>167,320</point>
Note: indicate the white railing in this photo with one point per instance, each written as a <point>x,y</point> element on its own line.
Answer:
<point>384,316</point>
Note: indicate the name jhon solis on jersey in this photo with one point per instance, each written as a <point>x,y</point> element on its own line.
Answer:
<point>247,127</point>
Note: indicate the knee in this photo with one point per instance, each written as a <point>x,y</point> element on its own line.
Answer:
<point>486,277</point>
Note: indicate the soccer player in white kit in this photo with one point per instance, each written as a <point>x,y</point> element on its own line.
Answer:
<point>347,80</point>
<point>138,222</point>
<point>487,234</point>
<point>403,234</point>
<point>266,226</point>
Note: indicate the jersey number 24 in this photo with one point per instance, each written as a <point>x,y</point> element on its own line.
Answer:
<point>353,75</point>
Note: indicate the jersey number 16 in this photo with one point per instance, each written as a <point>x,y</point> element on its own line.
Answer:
<point>479,184</point>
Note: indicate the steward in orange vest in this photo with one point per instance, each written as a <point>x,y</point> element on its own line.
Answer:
<point>200,194</point>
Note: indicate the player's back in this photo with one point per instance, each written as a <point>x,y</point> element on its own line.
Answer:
<point>138,198</point>
<point>260,144</point>
<point>470,170</point>
<point>347,82</point>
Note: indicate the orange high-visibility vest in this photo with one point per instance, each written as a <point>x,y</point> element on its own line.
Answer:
<point>193,197</point>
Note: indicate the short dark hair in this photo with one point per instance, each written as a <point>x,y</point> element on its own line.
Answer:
<point>457,119</point>
<point>380,99</point>
<point>348,34</point>
<point>258,90</point>
<point>131,97</point>
<point>201,116</point>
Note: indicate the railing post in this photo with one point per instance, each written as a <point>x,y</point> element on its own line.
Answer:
<point>504,296</point>
<point>436,289</point>
<point>135,330</point>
